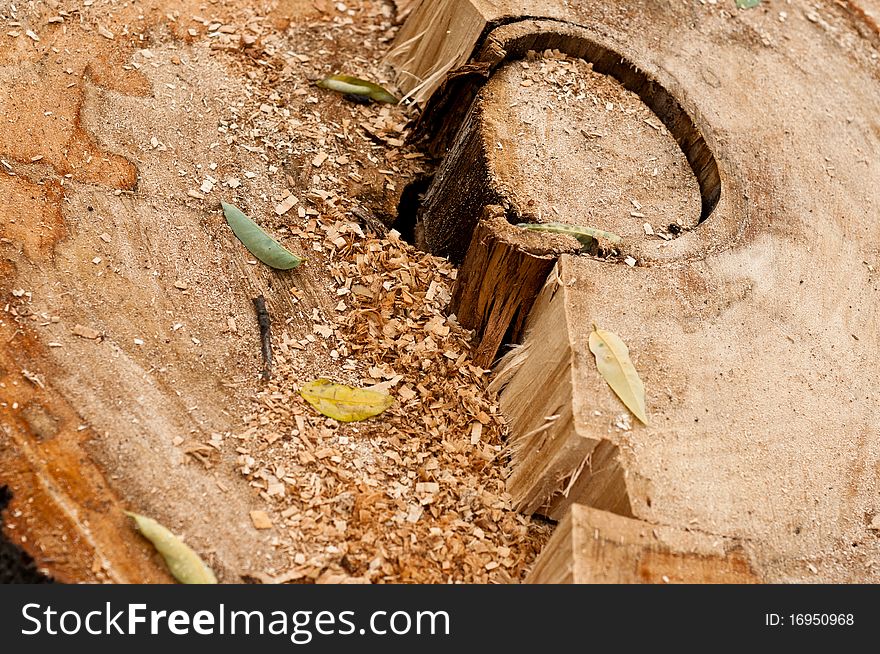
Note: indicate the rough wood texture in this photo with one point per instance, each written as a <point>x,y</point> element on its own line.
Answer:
<point>596,547</point>
<point>552,462</point>
<point>422,57</point>
<point>755,332</point>
<point>500,278</point>
<point>461,189</point>
<point>441,35</point>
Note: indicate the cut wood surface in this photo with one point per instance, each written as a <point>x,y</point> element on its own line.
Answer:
<point>553,462</point>
<point>534,145</point>
<point>597,547</point>
<point>753,328</point>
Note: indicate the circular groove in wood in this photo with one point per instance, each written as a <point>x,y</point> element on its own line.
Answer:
<point>571,145</point>
<point>513,40</point>
<point>450,124</point>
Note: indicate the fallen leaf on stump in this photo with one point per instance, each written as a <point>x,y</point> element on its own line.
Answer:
<point>587,236</point>
<point>259,243</point>
<point>345,403</point>
<point>615,366</point>
<point>184,564</point>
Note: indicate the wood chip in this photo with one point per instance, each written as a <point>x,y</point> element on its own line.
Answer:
<point>86,332</point>
<point>286,205</point>
<point>261,520</point>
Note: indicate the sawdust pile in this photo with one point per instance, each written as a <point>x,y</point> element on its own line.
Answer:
<point>415,495</point>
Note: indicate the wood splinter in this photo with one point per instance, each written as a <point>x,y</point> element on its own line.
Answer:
<point>502,274</point>
<point>265,335</point>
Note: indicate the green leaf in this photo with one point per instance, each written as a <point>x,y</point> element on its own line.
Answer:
<point>356,86</point>
<point>261,245</point>
<point>184,564</point>
<point>345,403</point>
<point>586,235</point>
<point>612,359</point>
<point>747,4</point>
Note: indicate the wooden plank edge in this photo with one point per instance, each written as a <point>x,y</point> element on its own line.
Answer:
<point>591,546</point>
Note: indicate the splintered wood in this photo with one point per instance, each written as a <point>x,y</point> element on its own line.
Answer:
<point>597,547</point>
<point>553,462</point>
<point>500,278</point>
<point>415,495</point>
<point>423,61</point>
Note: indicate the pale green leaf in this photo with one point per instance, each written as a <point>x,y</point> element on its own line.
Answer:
<point>261,245</point>
<point>615,366</point>
<point>345,403</point>
<point>356,86</point>
<point>747,4</point>
<point>183,563</point>
<point>586,235</point>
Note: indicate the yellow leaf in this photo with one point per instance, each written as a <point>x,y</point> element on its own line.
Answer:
<point>345,403</point>
<point>183,563</point>
<point>356,86</point>
<point>612,359</point>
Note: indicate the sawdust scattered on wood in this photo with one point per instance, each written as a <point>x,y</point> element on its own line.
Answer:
<point>220,104</point>
<point>416,495</point>
<point>621,171</point>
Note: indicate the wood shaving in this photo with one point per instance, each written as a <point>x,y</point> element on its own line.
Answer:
<point>416,495</point>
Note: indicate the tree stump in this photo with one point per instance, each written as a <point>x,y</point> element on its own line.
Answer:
<point>748,301</point>
<point>551,140</point>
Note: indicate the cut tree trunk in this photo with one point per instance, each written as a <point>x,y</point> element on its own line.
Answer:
<point>533,145</point>
<point>749,304</point>
<point>597,547</point>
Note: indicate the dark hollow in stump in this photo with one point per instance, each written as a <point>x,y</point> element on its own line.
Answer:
<point>502,274</point>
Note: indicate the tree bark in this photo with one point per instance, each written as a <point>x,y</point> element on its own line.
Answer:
<point>502,274</point>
